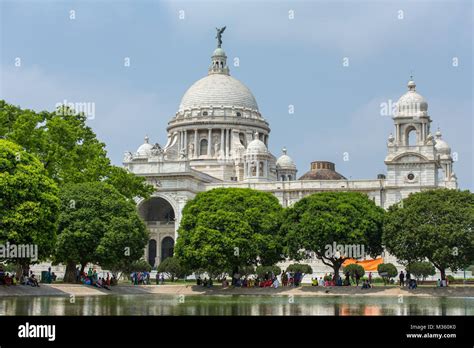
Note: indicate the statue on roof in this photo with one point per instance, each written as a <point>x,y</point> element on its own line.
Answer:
<point>219,36</point>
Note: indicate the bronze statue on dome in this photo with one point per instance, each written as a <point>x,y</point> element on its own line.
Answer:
<point>219,36</point>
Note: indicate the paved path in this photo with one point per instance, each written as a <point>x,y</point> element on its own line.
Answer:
<point>171,289</point>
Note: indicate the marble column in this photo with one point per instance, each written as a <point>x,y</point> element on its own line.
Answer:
<point>227,142</point>
<point>209,142</point>
<point>195,143</point>
<point>258,169</point>
<point>186,142</point>
<point>222,148</point>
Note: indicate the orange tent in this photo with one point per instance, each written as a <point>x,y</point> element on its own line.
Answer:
<point>369,265</point>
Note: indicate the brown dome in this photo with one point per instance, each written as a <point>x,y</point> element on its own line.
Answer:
<point>322,170</point>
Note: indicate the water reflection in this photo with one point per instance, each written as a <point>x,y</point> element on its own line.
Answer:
<point>233,305</point>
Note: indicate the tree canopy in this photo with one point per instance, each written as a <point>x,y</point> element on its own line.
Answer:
<point>29,202</point>
<point>172,267</point>
<point>320,221</point>
<point>354,269</point>
<point>97,224</point>
<point>67,147</point>
<point>421,269</point>
<point>299,267</point>
<point>227,228</point>
<point>435,225</point>
<point>387,271</point>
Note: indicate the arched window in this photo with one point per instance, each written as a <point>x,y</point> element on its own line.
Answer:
<point>167,248</point>
<point>411,136</point>
<point>203,147</point>
<point>152,252</point>
<point>289,177</point>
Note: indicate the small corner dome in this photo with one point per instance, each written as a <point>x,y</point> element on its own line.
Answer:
<point>285,161</point>
<point>256,146</point>
<point>412,103</point>
<point>441,146</point>
<point>145,148</point>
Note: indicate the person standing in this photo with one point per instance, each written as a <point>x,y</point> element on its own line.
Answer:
<point>370,277</point>
<point>408,277</point>
<point>402,278</point>
<point>357,277</point>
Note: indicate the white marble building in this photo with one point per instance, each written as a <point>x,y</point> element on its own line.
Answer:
<point>219,138</point>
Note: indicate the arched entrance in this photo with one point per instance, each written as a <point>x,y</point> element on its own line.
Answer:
<point>157,210</point>
<point>152,252</point>
<point>167,248</point>
<point>159,217</point>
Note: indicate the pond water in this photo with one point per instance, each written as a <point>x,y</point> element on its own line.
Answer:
<point>234,305</point>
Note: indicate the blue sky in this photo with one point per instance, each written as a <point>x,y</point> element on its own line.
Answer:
<point>283,61</point>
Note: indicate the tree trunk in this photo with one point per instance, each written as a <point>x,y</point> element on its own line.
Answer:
<point>83,267</point>
<point>70,273</point>
<point>336,267</point>
<point>443,273</point>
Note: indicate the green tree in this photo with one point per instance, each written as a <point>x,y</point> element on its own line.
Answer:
<point>300,267</point>
<point>262,271</point>
<point>228,228</point>
<point>129,184</point>
<point>435,225</point>
<point>67,147</point>
<point>127,268</point>
<point>354,268</point>
<point>317,222</point>
<point>421,269</point>
<point>29,202</point>
<point>97,224</point>
<point>387,271</point>
<point>172,267</point>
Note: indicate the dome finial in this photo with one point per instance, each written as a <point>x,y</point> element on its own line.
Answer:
<point>219,58</point>
<point>284,150</point>
<point>146,139</point>
<point>411,84</point>
<point>255,135</point>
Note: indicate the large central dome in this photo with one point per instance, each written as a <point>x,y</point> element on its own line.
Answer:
<point>218,90</point>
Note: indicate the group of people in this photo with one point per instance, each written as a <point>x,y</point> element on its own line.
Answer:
<point>291,279</point>
<point>333,280</point>
<point>266,281</point>
<point>407,280</point>
<point>29,278</point>
<point>6,278</point>
<point>92,278</point>
<point>140,278</point>
<point>207,283</point>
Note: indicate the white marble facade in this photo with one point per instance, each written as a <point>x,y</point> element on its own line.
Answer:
<point>218,138</point>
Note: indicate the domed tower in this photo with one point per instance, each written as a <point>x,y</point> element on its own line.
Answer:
<point>285,167</point>
<point>257,161</point>
<point>215,122</point>
<point>412,160</point>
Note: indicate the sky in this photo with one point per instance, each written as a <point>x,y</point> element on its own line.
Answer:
<point>335,62</point>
